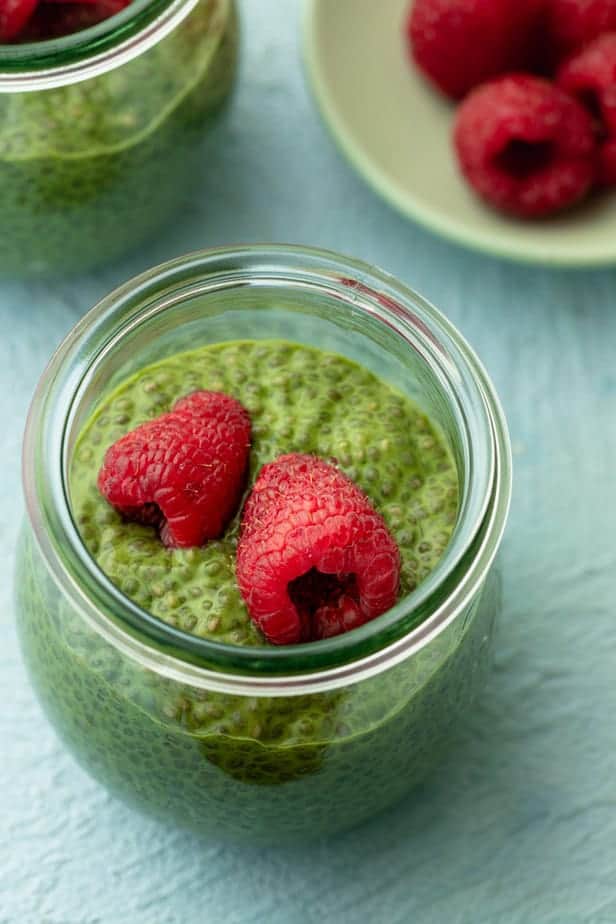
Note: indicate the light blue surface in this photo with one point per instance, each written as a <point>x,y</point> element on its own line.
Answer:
<point>519,825</point>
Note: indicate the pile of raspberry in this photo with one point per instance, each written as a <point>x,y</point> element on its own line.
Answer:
<point>37,20</point>
<point>536,129</point>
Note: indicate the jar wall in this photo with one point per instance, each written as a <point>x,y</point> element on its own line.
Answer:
<point>254,769</point>
<point>88,171</point>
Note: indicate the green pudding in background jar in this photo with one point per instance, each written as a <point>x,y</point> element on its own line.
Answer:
<point>101,131</point>
<point>151,669</point>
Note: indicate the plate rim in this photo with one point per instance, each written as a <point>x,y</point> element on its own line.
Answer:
<point>408,205</point>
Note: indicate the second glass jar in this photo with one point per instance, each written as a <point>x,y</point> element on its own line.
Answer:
<point>98,149</point>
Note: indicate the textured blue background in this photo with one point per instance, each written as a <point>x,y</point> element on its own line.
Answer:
<point>519,825</point>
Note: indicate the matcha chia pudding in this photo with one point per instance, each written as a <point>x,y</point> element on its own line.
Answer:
<point>310,406</point>
<point>101,130</point>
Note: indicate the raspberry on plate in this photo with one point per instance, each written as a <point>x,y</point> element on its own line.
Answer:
<point>14,14</point>
<point>182,472</point>
<point>571,24</point>
<point>525,146</point>
<point>460,43</point>
<point>314,558</point>
<point>590,76</point>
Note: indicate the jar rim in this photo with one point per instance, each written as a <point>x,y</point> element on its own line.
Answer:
<point>293,669</point>
<point>90,52</point>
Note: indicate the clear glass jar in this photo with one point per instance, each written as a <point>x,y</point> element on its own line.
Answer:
<point>265,744</point>
<point>100,131</point>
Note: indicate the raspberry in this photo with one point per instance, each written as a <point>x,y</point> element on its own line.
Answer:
<point>590,76</point>
<point>526,146</point>
<point>55,18</point>
<point>314,558</point>
<point>571,24</point>
<point>182,472</point>
<point>14,14</point>
<point>460,43</point>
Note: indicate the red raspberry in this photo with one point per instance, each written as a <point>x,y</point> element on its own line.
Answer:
<point>14,14</point>
<point>182,472</point>
<point>571,24</point>
<point>314,558</point>
<point>591,77</point>
<point>526,146</point>
<point>55,18</point>
<point>460,43</point>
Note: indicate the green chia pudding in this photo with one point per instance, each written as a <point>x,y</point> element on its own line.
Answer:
<point>300,400</point>
<point>88,170</point>
<point>267,769</point>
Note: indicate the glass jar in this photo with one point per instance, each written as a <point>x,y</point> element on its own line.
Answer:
<point>263,744</point>
<point>100,131</point>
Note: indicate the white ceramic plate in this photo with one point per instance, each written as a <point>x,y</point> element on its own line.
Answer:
<point>396,131</point>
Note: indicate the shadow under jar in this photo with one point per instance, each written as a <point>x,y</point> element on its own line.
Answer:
<point>101,131</point>
<point>263,744</point>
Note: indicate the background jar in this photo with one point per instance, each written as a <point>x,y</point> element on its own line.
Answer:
<point>261,744</point>
<point>101,131</point>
